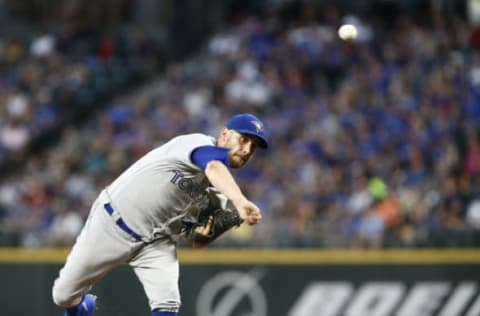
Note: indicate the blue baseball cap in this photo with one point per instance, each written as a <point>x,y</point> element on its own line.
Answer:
<point>250,125</point>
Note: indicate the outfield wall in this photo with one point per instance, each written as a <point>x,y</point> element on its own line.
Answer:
<point>269,282</point>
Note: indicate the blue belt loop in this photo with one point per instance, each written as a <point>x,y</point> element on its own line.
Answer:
<point>121,223</point>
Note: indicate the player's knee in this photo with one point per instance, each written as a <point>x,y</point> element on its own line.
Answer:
<point>64,298</point>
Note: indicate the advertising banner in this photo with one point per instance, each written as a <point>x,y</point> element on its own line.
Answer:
<point>331,290</point>
<point>242,282</point>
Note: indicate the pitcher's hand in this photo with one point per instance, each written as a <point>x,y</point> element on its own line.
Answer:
<point>248,211</point>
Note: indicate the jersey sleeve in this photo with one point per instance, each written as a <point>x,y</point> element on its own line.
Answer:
<point>202,155</point>
<point>178,151</point>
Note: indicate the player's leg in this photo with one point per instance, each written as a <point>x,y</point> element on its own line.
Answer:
<point>156,266</point>
<point>99,247</point>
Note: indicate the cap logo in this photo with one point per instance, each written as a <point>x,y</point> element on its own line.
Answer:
<point>258,126</point>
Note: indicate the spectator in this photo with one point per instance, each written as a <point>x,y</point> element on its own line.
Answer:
<point>369,136</point>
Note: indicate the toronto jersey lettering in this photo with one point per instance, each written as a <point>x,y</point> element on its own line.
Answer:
<point>157,191</point>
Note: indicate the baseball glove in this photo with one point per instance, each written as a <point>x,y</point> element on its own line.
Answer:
<point>212,221</point>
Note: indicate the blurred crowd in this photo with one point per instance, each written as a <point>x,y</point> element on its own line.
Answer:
<point>49,76</point>
<point>375,140</point>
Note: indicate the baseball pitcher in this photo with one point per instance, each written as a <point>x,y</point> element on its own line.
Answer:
<point>182,188</point>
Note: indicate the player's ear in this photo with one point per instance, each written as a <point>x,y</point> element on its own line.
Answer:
<point>223,136</point>
<point>224,131</point>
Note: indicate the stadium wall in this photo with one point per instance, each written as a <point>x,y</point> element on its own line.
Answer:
<point>222,282</point>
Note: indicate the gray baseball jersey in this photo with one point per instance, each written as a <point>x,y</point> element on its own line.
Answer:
<point>161,188</point>
<point>151,198</point>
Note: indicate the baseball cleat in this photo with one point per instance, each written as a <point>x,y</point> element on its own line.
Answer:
<point>86,307</point>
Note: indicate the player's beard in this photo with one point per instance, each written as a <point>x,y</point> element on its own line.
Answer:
<point>237,161</point>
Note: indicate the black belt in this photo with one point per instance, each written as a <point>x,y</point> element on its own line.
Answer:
<point>108,207</point>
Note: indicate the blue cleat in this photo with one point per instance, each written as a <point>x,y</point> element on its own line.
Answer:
<point>85,308</point>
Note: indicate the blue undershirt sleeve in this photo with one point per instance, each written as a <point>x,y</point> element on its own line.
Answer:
<point>202,155</point>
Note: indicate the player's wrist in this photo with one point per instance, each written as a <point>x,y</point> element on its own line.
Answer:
<point>239,200</point>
